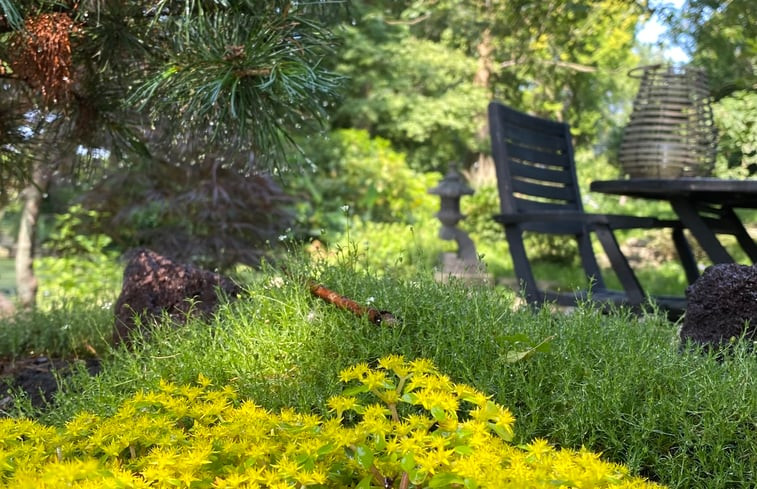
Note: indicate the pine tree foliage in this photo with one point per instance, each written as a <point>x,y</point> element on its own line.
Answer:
<point>233,73</point>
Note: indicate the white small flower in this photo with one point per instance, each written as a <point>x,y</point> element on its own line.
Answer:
<point>370,300</point>
<point>345,208</point>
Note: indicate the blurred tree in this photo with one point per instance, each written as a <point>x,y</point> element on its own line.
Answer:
<point>422,71</point>
<point>238,76</point>
<point>193,202</point>
<point>721,37</point>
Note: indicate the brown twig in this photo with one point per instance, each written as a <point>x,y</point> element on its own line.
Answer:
<point>342,302</point>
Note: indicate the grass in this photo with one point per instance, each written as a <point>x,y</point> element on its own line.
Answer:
<point>614,383</point>
<point>7,276</point>
<point>75,330</point>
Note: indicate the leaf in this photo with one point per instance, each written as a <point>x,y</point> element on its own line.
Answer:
<point>470,483</point>
<point>410,398</point>
<point>365,483</point>
<point>445,479</point>
<point>438,413</point>
<point>516,356</point>
<point>357,389</point>
<point>408,462</point>
<point>463,450</point>
<point>502,432</point>
<point>326,449</point>
<point>364,456</point>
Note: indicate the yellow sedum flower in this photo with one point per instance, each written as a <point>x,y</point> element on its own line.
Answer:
<point>425,430</point>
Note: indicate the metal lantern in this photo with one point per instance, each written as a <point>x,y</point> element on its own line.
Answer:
<point>671,132</point>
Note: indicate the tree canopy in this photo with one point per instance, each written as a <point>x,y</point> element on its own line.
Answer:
<point>421,72</point>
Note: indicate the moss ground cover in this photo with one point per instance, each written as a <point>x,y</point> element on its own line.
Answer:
<point>614,384</point>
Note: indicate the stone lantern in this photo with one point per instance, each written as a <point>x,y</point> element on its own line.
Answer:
<point>465,262</point>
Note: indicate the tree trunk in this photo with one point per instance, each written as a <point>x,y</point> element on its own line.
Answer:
<point>484,69</point>
<point>482,171</point>
<point>31,196</point>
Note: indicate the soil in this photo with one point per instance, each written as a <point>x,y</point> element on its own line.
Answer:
<point>37,376</point>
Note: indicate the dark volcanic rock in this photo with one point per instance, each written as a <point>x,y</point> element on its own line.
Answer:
<point>721,304</point>
<point>154,285</point>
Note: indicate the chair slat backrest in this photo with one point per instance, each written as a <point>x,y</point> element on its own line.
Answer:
<point>536,172</point>
<point>534,162</point>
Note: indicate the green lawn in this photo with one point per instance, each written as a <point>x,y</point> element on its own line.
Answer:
<point>7,276</point>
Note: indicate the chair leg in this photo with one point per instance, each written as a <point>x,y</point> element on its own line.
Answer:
<point>521,264</point>
<point>620,265</point>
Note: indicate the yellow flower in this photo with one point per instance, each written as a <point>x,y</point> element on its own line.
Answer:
<point>287,467</point>
<point>419,422</point>
<point>356,372</point>
<point>422,366</point>
<point>190,392</point>
<point>538,448</point>
<point>472,395</point>
<point>231,481</point>
<point>467,466</point>
<point>395,363</point>
<point>375,379</point>
<point>340,404</point>
<point>375,419</point>
<point>430,399</point>
<point>389,396</point>
<point>82,424</point>
<point>167,387</point>
<point>203,381</point>
<point>314,477</point>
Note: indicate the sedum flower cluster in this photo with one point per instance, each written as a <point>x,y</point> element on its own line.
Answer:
<point>401,424</point>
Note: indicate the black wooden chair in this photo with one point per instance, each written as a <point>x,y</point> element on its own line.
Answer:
<point>539,193</point>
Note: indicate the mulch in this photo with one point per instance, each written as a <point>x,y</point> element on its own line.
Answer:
<point>37,376</point>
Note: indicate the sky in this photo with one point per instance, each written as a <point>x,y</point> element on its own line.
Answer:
<point>652,30</point>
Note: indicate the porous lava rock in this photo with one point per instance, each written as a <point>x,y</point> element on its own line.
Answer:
<point>721,304</point>
<point>154,286</point>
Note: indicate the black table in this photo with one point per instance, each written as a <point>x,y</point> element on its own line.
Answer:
<point>704,206</point>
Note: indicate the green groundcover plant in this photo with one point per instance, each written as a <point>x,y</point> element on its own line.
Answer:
<point>425,431</point>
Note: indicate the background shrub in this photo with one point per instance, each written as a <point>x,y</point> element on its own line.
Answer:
<point>356,175</point>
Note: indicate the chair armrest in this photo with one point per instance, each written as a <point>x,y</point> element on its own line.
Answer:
<point>566,218</point>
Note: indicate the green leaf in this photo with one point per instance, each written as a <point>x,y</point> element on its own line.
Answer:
<point>364,456</point>
<point>326,449</point>
<point>516,356</point>
<point>463,450</point>
<point>470,483</point>
<point>365,483</point>
<point>408,462</point>
<point>380,443</point>
<point>445,479</point>
<point>410,398</point>
<point>438,413</point>
<point>307,462</point>
<point>499,430</point>
<point>357,389</point>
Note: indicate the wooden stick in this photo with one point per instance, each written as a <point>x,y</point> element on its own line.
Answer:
<point>342,302</point>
